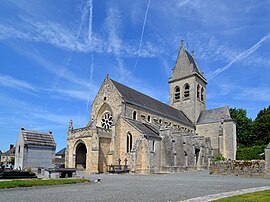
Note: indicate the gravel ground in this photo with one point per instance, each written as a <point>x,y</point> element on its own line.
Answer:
<point>166,187</point>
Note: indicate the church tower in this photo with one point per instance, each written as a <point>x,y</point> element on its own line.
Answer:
<point>187,86</point>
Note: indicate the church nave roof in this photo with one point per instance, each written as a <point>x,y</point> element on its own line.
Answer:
<point>139,99</point>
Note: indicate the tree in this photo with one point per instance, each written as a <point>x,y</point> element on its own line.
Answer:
<point>243,127</point>
<point>261,127</point>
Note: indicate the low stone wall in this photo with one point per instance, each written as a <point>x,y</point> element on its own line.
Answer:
<point>239,168</point>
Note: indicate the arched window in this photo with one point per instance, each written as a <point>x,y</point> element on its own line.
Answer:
<point>129,142</point>
<point>19,149</point>
<point>186,91</point>
<point>149,118</point>
<point>198,92</point>
<point>177,93</point>
<point>202,94</point>
<point>134,115</point>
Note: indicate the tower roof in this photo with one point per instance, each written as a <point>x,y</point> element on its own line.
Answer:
<point>185,65</point>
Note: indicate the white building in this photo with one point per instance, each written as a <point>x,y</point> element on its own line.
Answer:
<point>34,150</point>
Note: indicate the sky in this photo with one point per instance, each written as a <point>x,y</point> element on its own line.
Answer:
<point>54,56</point>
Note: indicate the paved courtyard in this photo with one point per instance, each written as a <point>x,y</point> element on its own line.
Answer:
<point>166,187</point>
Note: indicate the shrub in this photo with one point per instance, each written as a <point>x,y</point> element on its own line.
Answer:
<point>219,158</point>
<point>250,153</point>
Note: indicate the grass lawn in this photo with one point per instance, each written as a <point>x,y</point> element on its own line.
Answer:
<point>260,196</point>
<point>31,183</point>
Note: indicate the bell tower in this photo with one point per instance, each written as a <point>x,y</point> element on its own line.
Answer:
<point>187,86</point>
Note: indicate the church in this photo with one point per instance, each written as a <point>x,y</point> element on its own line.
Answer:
<point>145,135</point>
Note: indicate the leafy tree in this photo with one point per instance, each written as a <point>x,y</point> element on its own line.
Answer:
<point>261,127</point>
<point>250,153</point>
<point>243,127</point>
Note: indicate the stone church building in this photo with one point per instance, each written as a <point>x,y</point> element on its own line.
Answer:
<point>148,135</point>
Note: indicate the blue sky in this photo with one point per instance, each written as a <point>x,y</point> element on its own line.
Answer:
<point>54,55</point>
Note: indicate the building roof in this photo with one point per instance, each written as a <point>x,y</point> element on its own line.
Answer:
<point>61,152</point>
<point>185,66</point>
<point>192,61</point>
<point>38,138</point>
<point>144,128</point>
<point>139,99</point>
<point>10,152</point>
<point>214,115</point>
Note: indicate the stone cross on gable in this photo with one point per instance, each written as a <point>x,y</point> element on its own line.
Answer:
<point>70,127</point>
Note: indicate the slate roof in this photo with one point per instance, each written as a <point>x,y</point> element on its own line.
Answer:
<point>10,152</point>
<point>192,61</point>
<point>38,138</point>
<point>214,115</point>
<point>144,128</point>
<point>61,152</point>
<point>134,97</point>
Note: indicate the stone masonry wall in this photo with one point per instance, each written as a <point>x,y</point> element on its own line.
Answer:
<point>191,106</point>
<point>230,140</point>
<point>238,168</point>
<point>120,151</point>
<point>107,99</point>
<point>182,151</point>
<point>210,130</point>
<point>156,120</point>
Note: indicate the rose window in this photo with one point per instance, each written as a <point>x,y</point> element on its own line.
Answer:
<point>106,121</point>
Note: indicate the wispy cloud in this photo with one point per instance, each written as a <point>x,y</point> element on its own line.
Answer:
<point>6,80</point>
<point>52,67</point>
<point>240,57</point>
<point>29,115</point>
<point>81,93</point>
<point>209,47</point>
<point>112,23</point>
<point>87,7</point>
<point>189,3</point>
<point>65,38</point>
<point>254,94</point>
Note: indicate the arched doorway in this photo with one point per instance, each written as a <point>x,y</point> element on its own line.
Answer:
<point>81,156</point>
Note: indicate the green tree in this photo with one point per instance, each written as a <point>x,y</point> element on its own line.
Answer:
<point>243,127</point>
<point>261,127</point>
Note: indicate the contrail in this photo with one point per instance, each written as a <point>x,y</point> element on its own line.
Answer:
<point>83,18</point>
<point>90,30</point>
<point>91,77</point>
<point>92,67</point>
<point>240,57</point>
<point>144,22</point>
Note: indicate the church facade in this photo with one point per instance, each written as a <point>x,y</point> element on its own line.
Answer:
<point>131,128</point>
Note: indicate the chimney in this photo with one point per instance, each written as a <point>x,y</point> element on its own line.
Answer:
<point>11,146</point>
